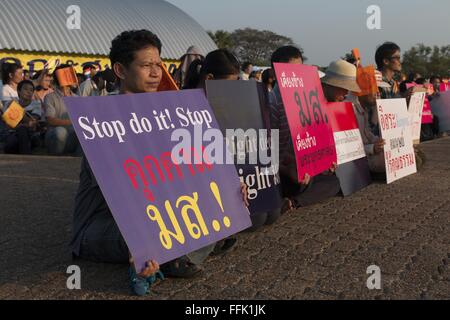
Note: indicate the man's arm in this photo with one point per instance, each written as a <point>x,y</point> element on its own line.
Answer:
<point>55,122</point>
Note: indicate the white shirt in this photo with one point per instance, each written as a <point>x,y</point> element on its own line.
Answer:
<point>8,94</point>
<point>244,76</point>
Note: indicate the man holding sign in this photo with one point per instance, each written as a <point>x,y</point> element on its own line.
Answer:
<point>298,111</point>
<point>60,137</point>
<point>144,187</point>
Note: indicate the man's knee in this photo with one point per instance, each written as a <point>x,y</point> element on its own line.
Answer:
<point>60,134</point>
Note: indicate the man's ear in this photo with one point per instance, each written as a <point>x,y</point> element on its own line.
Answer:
<point>209,76</point>
<point>386,62</point>
<point>119,70</point>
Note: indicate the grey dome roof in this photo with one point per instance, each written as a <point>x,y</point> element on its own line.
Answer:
<point>40,25</point>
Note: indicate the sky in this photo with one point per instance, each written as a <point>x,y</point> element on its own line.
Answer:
<point>328,29</point>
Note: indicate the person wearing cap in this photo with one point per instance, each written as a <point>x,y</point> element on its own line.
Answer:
<point>192,54</point>
<point>311,190</point>
<point>339,80</point>
<point>89,86</point>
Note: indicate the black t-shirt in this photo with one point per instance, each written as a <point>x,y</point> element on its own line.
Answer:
<point>89,205</point>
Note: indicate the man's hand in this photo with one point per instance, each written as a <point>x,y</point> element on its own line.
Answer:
<point>245,194</point>
<point>306,180</point>
<point>378,146</point>
<point>32,124</point>
<point>333,167</point>
<point>152,267</point>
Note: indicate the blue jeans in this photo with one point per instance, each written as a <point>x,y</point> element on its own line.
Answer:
<point>62,140</point>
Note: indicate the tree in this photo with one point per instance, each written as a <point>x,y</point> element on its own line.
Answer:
<point>222,39</point>
<point>427,61</point>
<point>257,46</point>
<point>251,45</point>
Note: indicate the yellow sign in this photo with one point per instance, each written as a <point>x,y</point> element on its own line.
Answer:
<point>13,115</point>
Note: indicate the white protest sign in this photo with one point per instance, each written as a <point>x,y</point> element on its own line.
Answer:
<point>349,146</point>
<point>395,129</point>
<point>415,110</point>
<point>347,137</point>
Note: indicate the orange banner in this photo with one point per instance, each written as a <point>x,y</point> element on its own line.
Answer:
<point>167,83</point>
<point>365,76</point>
<point>67,77</point>
<point>13,115</point>
<point>356,55</point>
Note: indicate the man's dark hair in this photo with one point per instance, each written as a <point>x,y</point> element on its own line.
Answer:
<point>286,53</point>
<point>421,80</point>
<point>219,63</point>
<point>24,82</point>
<point>267,74</point>
<point>245,65</point>
<point>7,69</point>
<point>124,46</point>
<point>108,75</point>
<point>432,78</point>
<point>385,51</point>
<point>402,87</point>
<point>36,75</point>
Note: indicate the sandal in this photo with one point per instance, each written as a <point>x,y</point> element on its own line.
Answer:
<point>223,246</point>
<point>180,268</point>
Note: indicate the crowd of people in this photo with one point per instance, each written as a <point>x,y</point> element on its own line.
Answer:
<point>137,68</point>
<point>46,125</point>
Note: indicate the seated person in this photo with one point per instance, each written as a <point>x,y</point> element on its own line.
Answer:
<point>222,65</point>
<point>42,81</point>
<point>12,75</point>
<point>25,137</point>
<point>89,86</point>
<point>311,190</point>
<point>135,58</point>
<point>373,144</point>
<point>60,138</point>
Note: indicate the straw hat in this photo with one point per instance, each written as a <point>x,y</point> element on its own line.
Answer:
<point>341,74</point>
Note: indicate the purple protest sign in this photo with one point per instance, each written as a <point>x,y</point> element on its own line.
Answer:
<point>164,209</point>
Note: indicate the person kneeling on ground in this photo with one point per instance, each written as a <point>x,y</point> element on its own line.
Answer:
<point>373,144</point>
<point>310,190</point>
<point>223,65</point>
<point>135,58</point>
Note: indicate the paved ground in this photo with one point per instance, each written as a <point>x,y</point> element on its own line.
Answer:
<point>321,252</point>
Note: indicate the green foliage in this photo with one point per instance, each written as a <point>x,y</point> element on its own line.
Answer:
<point>427,61</point>
<point>251,45</point>
<point>222,39</point>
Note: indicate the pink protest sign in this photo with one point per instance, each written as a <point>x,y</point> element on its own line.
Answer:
<point>427,115</point>
<point>444,87</point>
<point>305,106</point>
